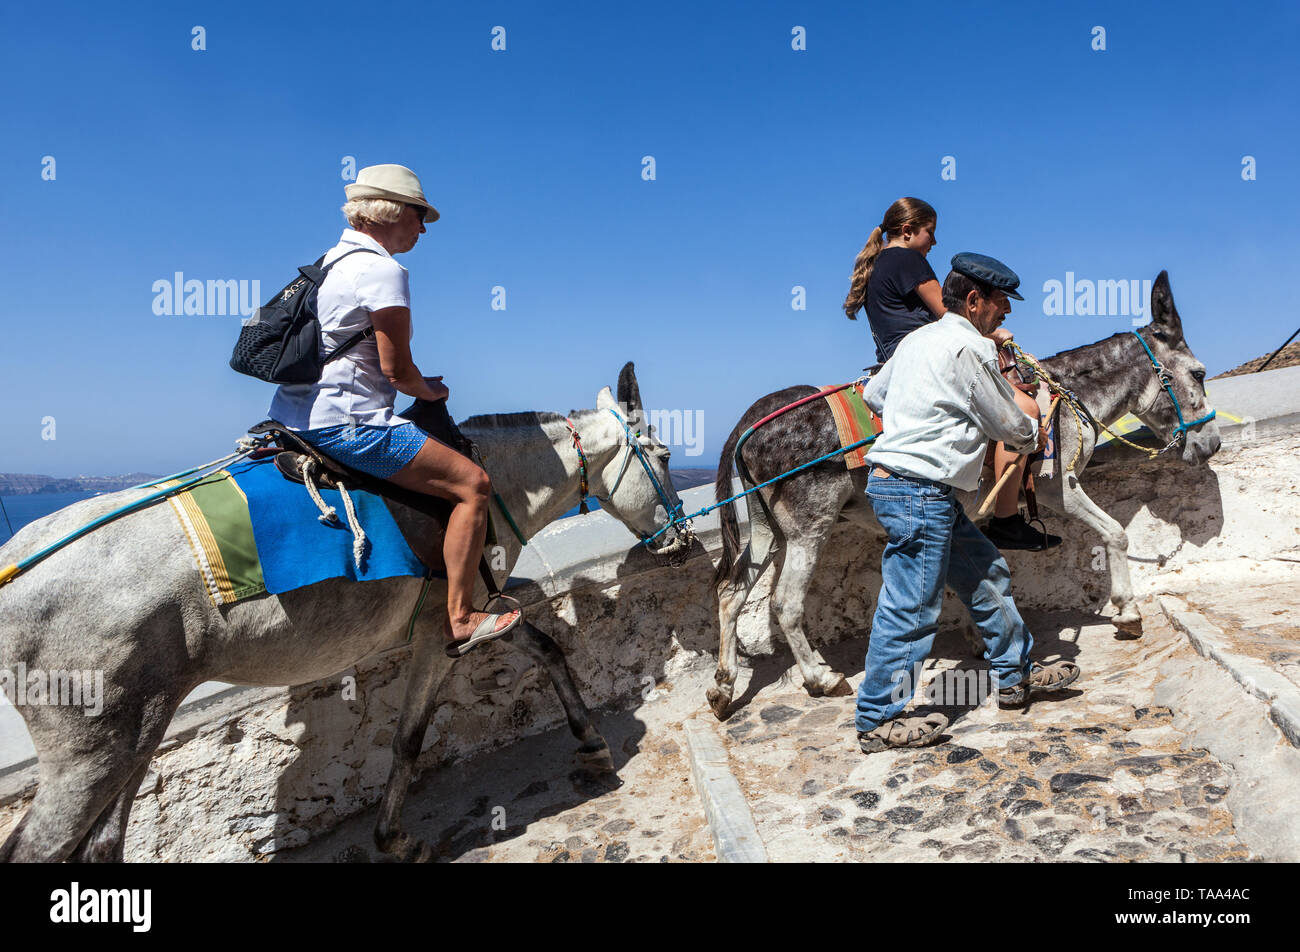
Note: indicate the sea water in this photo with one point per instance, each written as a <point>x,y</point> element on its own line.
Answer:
<point>32,506</point>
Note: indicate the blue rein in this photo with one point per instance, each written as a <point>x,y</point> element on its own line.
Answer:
<point>674,512</point>
<point>1180,431</point>
<point>675,516</point>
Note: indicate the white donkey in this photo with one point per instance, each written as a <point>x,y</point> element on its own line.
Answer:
<point>127,599</point>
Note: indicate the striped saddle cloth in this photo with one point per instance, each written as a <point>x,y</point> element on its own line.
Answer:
<point>253,532</point>
<point>854,422</point>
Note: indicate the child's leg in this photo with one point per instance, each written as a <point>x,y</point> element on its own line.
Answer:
<point>1008,503</point>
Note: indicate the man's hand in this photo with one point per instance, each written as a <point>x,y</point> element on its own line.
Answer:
<point>439,389</point>
<point>1042,438</point>
<point>1000,336</point>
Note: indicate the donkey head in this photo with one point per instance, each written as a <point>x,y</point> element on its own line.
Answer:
<point>622,479</point>
<point>1185,375</point>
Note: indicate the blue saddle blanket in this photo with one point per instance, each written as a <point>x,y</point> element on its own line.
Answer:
<point>297,549</point>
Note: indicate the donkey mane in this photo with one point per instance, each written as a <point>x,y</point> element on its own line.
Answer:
<point>1103,364</point>
<point>502,421</point>
<point>1089,348</point>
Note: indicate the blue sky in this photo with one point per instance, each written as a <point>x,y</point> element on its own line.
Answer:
<point>772,165</point>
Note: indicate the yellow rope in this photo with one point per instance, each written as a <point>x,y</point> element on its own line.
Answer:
<point>1065,395</point>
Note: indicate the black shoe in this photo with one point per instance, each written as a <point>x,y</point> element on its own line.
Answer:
<point>1013,532</point>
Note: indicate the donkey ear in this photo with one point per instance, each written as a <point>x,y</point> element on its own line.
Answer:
<point>604,399</point>
<point>629,394</point>
<point>1163,312</point>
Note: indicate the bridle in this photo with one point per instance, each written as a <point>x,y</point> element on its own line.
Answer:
<point>1180,432</point>
<point>583,492</point>
<point>676,521</point>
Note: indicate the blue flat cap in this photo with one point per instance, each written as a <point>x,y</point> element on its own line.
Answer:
<point>988,271</point>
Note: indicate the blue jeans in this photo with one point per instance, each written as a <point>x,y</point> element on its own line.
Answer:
<point>932,542</point>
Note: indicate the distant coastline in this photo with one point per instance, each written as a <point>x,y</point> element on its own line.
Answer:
<point>690,478</point>
<point>28,484</point>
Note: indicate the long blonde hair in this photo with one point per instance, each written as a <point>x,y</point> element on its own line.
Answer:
<point>905,211</point>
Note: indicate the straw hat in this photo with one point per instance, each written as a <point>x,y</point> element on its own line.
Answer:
<point>396,183</point>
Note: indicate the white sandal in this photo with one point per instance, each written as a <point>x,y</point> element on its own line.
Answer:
<point>486,631</point>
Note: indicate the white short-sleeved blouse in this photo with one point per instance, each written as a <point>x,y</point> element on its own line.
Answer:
<point>353,387</point>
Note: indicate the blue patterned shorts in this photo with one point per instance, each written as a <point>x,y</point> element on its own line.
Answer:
<point>378,450</point>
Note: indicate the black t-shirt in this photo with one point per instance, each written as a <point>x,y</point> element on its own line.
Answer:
<point>894,309</point>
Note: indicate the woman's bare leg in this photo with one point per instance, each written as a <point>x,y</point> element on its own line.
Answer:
<point>1008,503</point>
<point>438,470</point>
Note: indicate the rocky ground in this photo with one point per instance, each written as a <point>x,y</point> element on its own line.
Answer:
<point>1099,772</point>
<point>532,802</point>
<point>1095,773</point>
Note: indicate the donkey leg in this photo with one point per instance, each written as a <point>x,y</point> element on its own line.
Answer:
<point>788,593</point>
<point>73,790</point>
<point>1077,505</point>
<point>428,667</point>
<point>84,764</point>
<point>594,752</point>
<point>731,599</point>
<point>751,564</point>
<point>105,842</point>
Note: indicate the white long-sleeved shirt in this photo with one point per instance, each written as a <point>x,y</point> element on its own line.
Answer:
<point>941,399</point>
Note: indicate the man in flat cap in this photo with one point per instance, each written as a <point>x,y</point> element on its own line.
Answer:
<point>941,399</point>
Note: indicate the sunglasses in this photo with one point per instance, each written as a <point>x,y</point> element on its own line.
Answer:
<point>420,211</point>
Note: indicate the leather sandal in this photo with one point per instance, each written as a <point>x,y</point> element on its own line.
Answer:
<point>1053,677</point>
<point>903,732</point>
<point>487,630</point>
<point>1043,679</point>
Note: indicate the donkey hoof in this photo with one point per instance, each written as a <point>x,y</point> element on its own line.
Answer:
<point>596,759</point>
<point>1127,629</point>
<point>408,849</point>
<point>840,688</point>
<point>719,701</point>
<point>829,684</point>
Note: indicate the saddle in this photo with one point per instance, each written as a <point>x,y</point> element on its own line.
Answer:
<point>290,450</point>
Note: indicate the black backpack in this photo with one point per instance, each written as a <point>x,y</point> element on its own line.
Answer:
<point>281,344</point>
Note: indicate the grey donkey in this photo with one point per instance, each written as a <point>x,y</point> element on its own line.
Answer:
<point>128,600</point>
<point>791,526</point>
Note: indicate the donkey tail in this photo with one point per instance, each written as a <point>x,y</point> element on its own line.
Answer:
<point>727,521</point>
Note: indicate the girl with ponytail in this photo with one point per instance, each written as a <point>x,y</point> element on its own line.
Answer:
<point>893,280</point>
